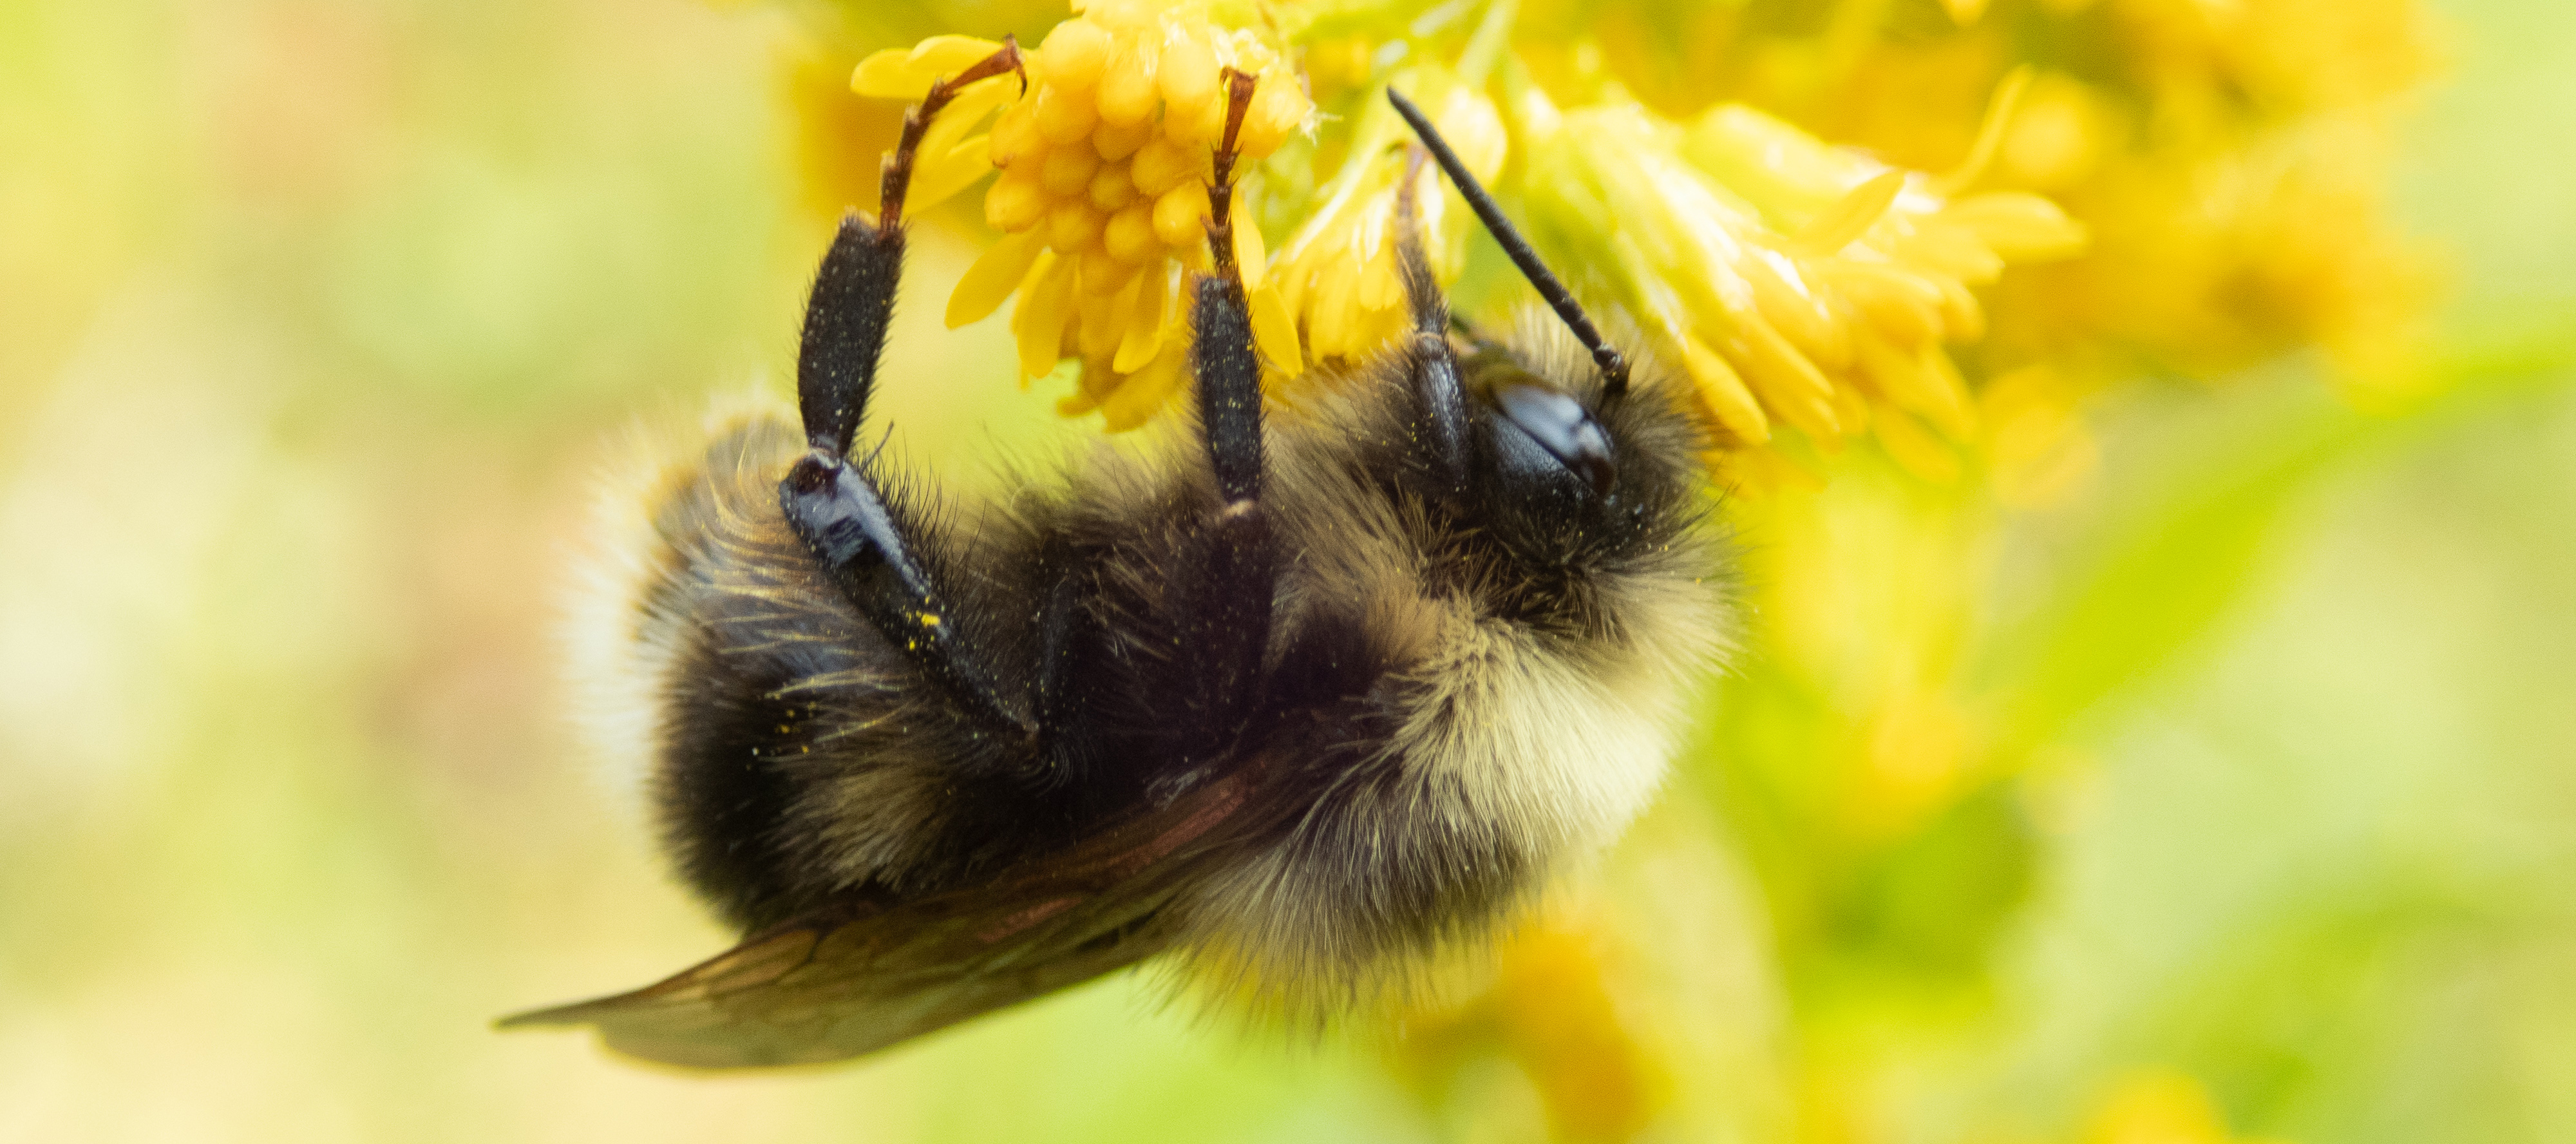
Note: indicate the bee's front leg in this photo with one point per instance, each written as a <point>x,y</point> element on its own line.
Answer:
<point>870,551</point>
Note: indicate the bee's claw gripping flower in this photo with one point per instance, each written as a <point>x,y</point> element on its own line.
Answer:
<point>1103,194</point>
<point>1801,286</point>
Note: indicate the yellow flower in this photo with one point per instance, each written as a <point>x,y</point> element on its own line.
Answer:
<point>1103,193</point>
<point>1337,272</point>
<point>1802,284</point>
<point>2160,1107</point>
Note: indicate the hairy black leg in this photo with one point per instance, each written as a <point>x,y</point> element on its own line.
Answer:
<point>1440,402</point>
<point>1614,368</point>
<point>832,504</point>
<point>1226,597</point>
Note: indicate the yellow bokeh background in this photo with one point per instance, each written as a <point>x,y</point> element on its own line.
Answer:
<point>2224,791</point>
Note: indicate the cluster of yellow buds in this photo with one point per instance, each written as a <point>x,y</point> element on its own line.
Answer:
<point>1103,195</point>
<point>1799,284</point>
<point>1337,272</point>
<point>1802,284</point>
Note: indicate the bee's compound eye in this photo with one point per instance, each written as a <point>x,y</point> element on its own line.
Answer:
<point>1562,431</point>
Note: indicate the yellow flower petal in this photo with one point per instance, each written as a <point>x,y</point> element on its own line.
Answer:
<point>1904,379</point>
<point>907,73</point>
<point>1274,330</point>
<point>1141,396</point>
<point>1104,273</point>
<point>1144,336</point>
<point>1096,328</point>
<point>1724,392</point>
<point>2019,227</point>
<point>1990,131</point>
<point>1044,309</point>
<point>989,282</point>
<point>935,181</point>
<point>1849,217</point>
<point>965,114</point>
<point>1903,307</point>
<point>1790,386</point>
<point>1962,319</point>
<point>1251,258</point>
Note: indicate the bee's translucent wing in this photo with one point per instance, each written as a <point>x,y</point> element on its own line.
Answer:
<point>837,985</point>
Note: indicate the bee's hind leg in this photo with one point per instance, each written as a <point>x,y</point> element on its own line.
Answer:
<point>833,505</point>
<point>1225,593</point>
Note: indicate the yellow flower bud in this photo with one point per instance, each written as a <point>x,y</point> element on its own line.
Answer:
<point>1180,215</point>
<point>1121,15</point>
<point>1279,109</point>
<point>1015,203</point>
<point>1194,123</point>
<point>1063,117</point>
<point>1110,189</point>
<point>1128,91</point>
<point>1188,74</point>
<point>1071,227</point>
<point>1113,142</point>
<point>1130,234</point>
<point>1067,171</point>
<point>1162,165</point>
<point>1015,135</point>
<point>1073,55</point>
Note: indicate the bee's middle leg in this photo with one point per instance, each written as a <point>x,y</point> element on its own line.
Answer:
<point>1225,592</point>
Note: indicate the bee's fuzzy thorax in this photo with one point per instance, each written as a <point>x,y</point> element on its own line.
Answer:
<point>1520,716</point>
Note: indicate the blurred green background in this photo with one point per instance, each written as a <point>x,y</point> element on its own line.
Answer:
<point>317,321</point>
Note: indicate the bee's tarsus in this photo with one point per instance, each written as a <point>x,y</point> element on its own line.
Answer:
<point>897,167</point>
<point>1220,225</point>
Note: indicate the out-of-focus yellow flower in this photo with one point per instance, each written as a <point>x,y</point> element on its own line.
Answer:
<point>2160,1107</point>
<point>1551,1014</point>
<point>1103,194</point>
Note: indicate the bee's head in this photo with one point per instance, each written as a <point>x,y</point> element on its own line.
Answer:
<point>1541,439</point>
<point>1556,464</point>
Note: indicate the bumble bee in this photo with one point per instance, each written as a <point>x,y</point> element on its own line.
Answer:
<point>1298,701</point>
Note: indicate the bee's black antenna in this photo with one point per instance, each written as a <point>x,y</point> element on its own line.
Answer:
<point>1614,368</point>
